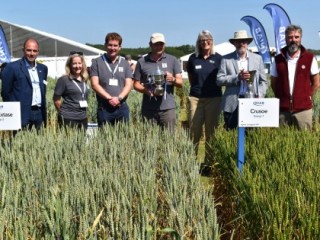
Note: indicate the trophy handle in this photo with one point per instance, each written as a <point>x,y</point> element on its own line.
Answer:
<point>252,75</point>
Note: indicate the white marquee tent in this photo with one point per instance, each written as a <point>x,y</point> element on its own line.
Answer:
<point>222,48</point>
<point>53,49</point>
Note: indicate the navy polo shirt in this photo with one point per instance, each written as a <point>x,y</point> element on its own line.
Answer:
<point>204,76</point>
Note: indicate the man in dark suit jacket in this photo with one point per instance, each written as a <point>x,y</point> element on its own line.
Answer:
<point>25,81</point>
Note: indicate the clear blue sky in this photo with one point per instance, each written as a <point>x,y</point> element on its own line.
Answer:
<point>180,20</point>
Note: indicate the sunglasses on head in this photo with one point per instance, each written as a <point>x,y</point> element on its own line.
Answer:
<point>75,52</point>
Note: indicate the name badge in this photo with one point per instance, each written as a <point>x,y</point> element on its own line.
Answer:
<point>113,82</point>
<point>83,104</point>
<point>198,66</point>
<point>164,65</point>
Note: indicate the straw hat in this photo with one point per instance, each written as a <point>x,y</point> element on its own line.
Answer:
<point>241,35</point>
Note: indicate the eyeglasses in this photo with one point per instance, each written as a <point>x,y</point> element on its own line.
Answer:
<point>205,40</point>
<point>75,52</point>
<point>241,41</point>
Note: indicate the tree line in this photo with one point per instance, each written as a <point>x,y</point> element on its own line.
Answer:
<point>136,52</point>
<point>178,51</point>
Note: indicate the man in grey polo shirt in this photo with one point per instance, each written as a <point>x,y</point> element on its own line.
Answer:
<point>158,108</point>
<point>111,79</point>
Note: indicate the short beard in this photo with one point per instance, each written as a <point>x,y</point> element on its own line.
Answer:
<point>293,48</point>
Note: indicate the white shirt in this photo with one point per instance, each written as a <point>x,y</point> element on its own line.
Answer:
<point>243,64</point>
<point>292,64</point>
<point>36,93</point>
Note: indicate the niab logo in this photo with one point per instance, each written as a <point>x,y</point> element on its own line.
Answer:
<point>258,103</point>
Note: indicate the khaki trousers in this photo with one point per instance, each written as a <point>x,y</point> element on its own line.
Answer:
<point>301,120</point>
<point>203,111</point>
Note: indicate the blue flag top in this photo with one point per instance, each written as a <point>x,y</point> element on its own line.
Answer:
<point>260,38</point>
<point>4,49</point>
<point>281,21</point>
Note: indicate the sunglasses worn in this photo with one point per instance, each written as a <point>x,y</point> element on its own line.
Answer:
<point>205,40</point>
<point>75,52</point>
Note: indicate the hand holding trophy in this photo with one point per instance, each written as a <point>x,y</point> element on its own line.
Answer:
<point>156,82</point>
<point>250,91</point>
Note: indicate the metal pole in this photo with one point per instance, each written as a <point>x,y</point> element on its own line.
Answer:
<point>241,142</point>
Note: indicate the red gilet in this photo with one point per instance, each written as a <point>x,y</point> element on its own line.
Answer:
<point>301,98</point>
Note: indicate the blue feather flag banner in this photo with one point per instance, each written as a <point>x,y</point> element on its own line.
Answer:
<point>260,38</point>
<point>281,21</point>
<point>4,49</point>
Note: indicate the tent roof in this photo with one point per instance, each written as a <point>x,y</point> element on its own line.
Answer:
<point>222,48</point>
<point>50,45</point>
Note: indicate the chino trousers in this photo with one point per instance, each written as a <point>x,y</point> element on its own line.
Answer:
<point>203,112</point>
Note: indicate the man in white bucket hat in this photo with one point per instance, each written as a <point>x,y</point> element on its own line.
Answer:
<point>234,74</point>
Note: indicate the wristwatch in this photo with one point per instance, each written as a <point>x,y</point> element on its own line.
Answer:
<point>120,98</point>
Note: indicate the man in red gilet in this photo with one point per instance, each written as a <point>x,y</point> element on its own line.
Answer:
<point>294,80</point>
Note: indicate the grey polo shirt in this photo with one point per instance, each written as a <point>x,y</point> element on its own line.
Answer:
<point>72,94</point>
<point>120,70</point>
<point>146,66</point>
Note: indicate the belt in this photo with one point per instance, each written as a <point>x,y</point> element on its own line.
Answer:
<point>35,108</point>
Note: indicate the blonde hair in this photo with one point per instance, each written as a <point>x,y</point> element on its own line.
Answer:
<point>202,34</point>
<point>84,72</point>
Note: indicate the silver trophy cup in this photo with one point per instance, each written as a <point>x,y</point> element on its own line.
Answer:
<point>159,79</point>
<point>250,91</point>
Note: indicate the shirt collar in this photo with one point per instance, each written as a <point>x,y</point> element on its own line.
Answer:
<point>238,57</point>
<point>297,56</point>
<point>109,60</point>
<point>28,64</point>
<point>151,60</point>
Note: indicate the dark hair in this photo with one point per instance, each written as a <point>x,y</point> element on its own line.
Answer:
<point>75,52</point>
<point>113,36</point>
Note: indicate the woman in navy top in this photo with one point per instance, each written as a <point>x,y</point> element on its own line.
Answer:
<point>205,95</point>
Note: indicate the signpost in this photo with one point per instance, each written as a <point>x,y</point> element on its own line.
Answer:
<point>10,116</point>
<point>255,112</point>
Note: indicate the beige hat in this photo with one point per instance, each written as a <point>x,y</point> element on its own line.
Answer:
<point>241,35</point>
<point>157,37</point>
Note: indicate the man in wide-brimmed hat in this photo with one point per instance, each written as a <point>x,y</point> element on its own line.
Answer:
<point>234,75</point>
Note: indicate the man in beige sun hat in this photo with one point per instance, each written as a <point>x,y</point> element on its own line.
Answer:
<point>234,74</point>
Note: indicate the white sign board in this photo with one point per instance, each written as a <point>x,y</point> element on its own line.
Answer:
<point>10,116</point>
<point>258,112</point>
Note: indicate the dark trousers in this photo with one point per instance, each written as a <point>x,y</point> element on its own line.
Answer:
<point>78,124</point>
<point>111,115</point>
<point>231,119</point>
<point>35,119</point>
<point>163,118</point>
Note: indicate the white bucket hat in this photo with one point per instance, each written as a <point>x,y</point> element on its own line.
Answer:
<point>241,35</point>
